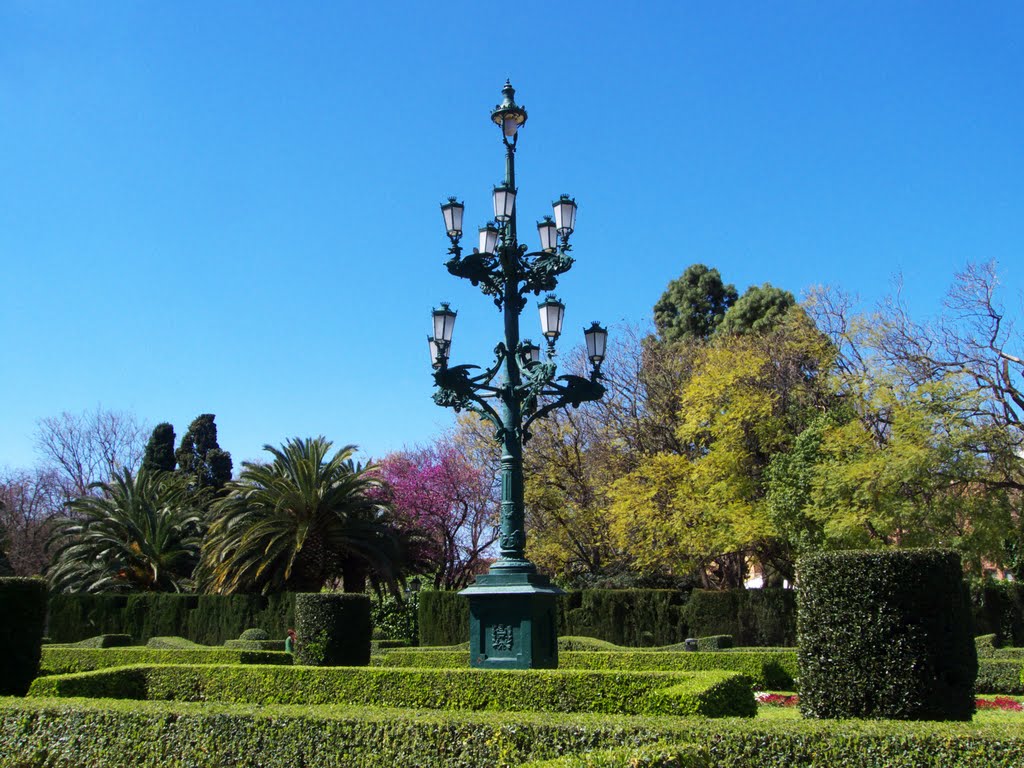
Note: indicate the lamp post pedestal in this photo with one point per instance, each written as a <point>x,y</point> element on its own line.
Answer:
<point>513,620</point>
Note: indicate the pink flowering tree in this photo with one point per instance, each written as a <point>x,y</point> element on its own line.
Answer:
<point>447,509</point>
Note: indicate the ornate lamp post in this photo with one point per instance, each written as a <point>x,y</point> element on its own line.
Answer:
<point>512,608</point>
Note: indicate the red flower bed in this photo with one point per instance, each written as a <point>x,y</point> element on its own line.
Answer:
<point>1004,703</point>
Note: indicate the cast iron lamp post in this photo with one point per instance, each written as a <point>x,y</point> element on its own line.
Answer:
<point>512,608</point>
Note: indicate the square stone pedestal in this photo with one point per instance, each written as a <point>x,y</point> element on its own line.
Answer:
<point>513,621</point>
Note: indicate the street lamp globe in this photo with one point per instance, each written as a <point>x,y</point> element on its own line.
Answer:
<point>452,211</point>
<point>444,322</point>
<point>552,312</point>
<point>565,215</point>
<point>597,340</point>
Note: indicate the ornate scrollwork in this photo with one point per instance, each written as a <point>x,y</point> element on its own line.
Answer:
<point>542,274</point>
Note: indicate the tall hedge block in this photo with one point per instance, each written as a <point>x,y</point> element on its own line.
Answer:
<point>885,635</point>
<point>204,619</point>
<point>443,618</point>
<point>631,617</point>
<point>22,617</point>
<point>333,629</point>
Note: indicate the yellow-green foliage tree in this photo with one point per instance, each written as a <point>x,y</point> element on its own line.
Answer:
<point>746,399</point>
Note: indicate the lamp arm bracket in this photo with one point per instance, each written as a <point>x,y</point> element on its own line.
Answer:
<point>541,271</point>
<point>481,270</point>
<point>576,391</point>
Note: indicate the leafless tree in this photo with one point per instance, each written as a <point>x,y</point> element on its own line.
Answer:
<point>973,341</point>
<point>88,447</point>
<point>29,501</point>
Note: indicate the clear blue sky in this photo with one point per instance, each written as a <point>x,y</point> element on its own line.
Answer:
<point>233,207</point>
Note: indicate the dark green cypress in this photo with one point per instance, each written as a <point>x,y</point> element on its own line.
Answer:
<point>201,456</point>
<point>159,454</point>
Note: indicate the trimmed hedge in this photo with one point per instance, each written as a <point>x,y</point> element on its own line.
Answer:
<point>714,643</point>
<point>22,616</point>
<point>254,633</point>
<point>710,694</point>
<point>638,618</point>
<point>986,644</point>
<point>582,643</point>
<point>204,619</point>
<point>767,671</point>
<point>754,617</point>
<point>173,643</point>
<point>255,645</point>
<point>999,610</point>
<point>104,641</point>
<point>885,635</point>
<point>630,617</point>
<point>333,629</point>
<point>124,734</point>
<point>64,659</point>
<point>443,618</point>
<point>656,756</point>
<point>999,676</point>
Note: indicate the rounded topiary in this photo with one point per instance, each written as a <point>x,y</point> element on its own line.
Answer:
<point>885,635</point>
<point>23,612</point>
<point>332,629</point>
<point>254,634</point>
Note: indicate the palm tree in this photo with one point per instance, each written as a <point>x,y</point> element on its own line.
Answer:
<point>143,533</point>
<point>298,522</point>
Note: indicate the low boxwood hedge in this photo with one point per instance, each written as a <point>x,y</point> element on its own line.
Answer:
<point>113,640</point>
<point>999,676</point>
<point>64,659</point>
<point>711,694</point>
<point>773,670</point>
<point>123,734</point>
<point>173,642</point>
<point>255,645</point>
<point>583,643</point>
<point>649,756</point>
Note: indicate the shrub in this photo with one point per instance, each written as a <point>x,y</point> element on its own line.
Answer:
<point>172,643</point>
<point>714,612</point>
<point>986,644</point>
<point>1001,611</point>
<point>999,676</point>
<point>64,659</point>
<point>333,629</point>
<point>255,645</point>
<point>443,618</point>
<point>124,734</point>
<point>104,641</point>
<point>627,617</point>
<point>22,618</point>
<point>204,619</point>
<point>714,643</point>
<point>581,643</point>
<point>711,694</point>
<point>397,619</point>
<point>254,634</point>
<point>656,756</point>
<point>885,634</point>
<point>771,670</point>
<point>754,617</point>
<point>767,618</point>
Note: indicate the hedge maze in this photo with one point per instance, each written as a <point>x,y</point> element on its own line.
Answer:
<point>176,701</point>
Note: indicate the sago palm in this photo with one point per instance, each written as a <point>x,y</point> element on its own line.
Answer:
<point>297,522</point>
<point>143,533</point>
